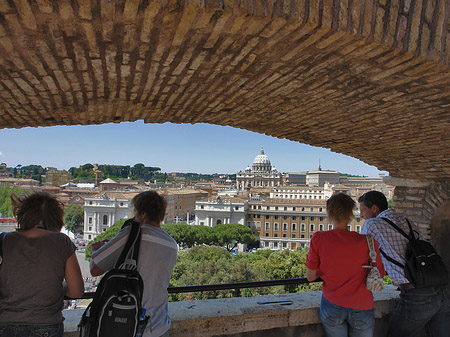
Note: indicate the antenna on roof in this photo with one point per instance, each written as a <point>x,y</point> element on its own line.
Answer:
<point>320,169</point>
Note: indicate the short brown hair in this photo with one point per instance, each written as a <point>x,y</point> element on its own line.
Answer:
<point>38,208</point>
<point>340,207</point>
<point>151,203</point>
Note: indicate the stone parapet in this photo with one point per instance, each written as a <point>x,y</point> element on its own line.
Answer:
<point>246,317</point>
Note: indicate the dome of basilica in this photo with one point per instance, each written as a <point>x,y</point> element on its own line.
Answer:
<point>261,158</point>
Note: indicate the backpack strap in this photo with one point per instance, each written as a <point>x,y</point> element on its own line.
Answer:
<point>133,241</point>
<point>390,259</point>
<point>398,228</point>
<point>402,232</point>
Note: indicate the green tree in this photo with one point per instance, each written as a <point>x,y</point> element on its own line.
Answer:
<point>73,217</point>
<point>230,235</point>
<point>6,208</point>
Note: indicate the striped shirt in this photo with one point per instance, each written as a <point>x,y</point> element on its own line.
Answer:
<point>157,258</point>
<point>390,241</point>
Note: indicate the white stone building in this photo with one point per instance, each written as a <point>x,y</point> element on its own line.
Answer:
<point>104,210</point>
<point>298,192</point>
<point>220,210</point>
<point>262,174</point>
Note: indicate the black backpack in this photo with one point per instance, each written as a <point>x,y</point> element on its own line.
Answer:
<point>424,267</point>
<point>116,307</point>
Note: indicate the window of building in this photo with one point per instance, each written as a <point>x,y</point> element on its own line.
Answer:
<point>275,235</point>
<point>285,208</point>
<point>358,219</point>
<point>312,218</point>
<point>294,218</point>
<point>259,206</point>
<point>89,229</point>
<point>293,236</point>
<point>358,229</point>
<point>236,208</point>
<point>121,204</point>
<point>285,217</point>
<point>294,208</point>
<point>89,237</point>
<point>276,217</point>
<point>284,235</point>
<point>267,217</point>
<point>284,245</point>
<point>276,208</point>
<point>311,209</point>
<point>268,207</point>
<point>320,209</point>
<point>320,227</point>
<point>303,218</point>
<point>219,222</point>
<point>105,219</point>
<point>267,226</point>
<point>267,234</point>
<point>302,227</point>
<point>267,244</point>
<point>275,226</point>
<point>202,223</point>
<point>349,227</point>
<point>90,220</point>
<point>321,218</point>
<point>249,223</point>
<point>302,236</point>
<point>330,227</point>
<point>303,209</point>
<point>90,202</point>
<point>285,226</point>
<point>294,227</point>
<point>275,245</point>
<point>311,227</point>
<point>202,207</point>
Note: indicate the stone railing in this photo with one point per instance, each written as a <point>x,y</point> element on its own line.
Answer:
<point>245,317</point>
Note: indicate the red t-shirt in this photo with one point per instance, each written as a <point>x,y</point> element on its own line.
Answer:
<point>338,255</point>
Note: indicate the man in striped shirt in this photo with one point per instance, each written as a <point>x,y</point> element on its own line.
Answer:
<point>417,307</point>
<point>157,258</point>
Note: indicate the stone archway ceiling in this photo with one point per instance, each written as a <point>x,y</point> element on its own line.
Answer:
<point>369,79</point>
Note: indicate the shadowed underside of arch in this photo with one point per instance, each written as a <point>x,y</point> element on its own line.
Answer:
<point>369,79</point>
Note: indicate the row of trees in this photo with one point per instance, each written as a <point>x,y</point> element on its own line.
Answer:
<point>137,172</point>
<point>228,235</point>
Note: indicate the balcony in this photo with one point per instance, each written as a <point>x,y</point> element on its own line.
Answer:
<point>245,317</point>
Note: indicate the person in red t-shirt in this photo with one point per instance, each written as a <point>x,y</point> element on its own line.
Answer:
<point>337,257</point>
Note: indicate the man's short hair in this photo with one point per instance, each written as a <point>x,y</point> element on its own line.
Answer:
<point>374,198</point>
<point>151,203</point>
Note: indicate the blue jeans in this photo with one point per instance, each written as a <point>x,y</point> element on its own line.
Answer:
<point>31,330</point>
<point>419,308</point>
<point>338,321</point>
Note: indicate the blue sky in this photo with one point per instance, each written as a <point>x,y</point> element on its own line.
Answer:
<point>200,148</point>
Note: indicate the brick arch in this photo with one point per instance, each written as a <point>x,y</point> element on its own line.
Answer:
<point>369,79</point>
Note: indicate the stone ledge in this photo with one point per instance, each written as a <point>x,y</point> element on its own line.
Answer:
<point>243,316</point>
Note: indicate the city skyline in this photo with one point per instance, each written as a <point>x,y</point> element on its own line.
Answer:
<point>199,148</point>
